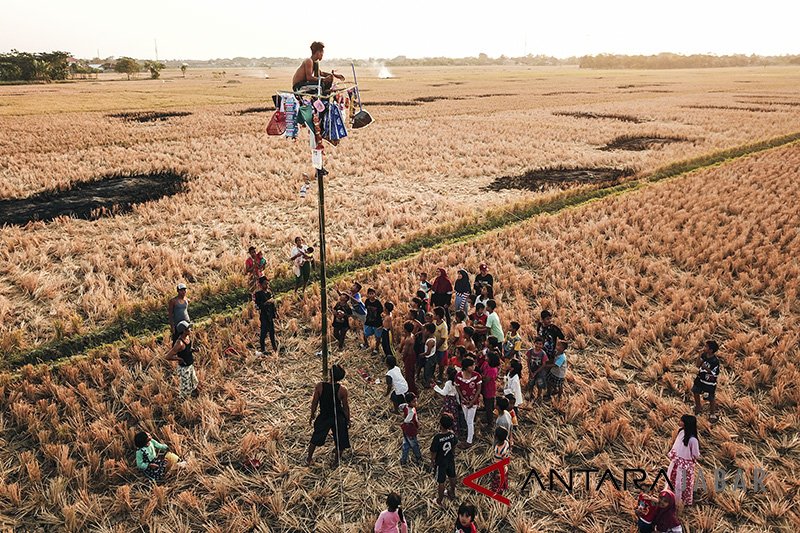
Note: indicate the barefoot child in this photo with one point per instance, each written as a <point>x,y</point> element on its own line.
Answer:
<point>557,370</point>
<point>504,419</point>
<point>443,458</point>
<point>513,386</point>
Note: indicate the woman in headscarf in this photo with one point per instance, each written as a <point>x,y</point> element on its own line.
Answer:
<point>442,295</point>
<point>683,456</point>
<point>463,291</point>
<point>666,521</point>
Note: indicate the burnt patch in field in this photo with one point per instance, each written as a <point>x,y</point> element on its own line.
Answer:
<point>611,116</point>
<point>641,142</point>
<point>634,85</point>
<point>490,95</point>
<point>107,196</point>
<point>429,99</point>
<point>731,108</point>
<point>148,116</point>
<point>768,102</point>
<point>446,84</point>
<point>393,103</point>
<point>558,93</point>
<point>559,177</point>
<point>250,110</point>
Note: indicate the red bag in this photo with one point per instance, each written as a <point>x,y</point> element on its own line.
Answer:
<point>277,124</point>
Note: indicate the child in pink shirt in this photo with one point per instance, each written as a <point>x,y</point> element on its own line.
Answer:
<point>391,520</point>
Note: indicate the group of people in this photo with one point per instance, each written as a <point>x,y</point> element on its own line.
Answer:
<point>453,343</point>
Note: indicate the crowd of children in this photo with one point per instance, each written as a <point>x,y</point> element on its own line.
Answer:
<point>463,357</point>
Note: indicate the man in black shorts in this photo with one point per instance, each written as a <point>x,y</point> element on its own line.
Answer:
<point>443,458</point>
<point>706,381</point>
<point>334,415</point>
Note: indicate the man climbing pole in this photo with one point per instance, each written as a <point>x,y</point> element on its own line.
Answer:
<point>308,74</point>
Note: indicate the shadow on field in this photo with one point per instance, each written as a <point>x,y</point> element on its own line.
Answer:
<point>249,111</point>
<point>638,143</point>
<point>107,196</point>
<point>148,116</point>
<point>544,178</point>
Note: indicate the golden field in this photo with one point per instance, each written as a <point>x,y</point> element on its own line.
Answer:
<point>637,281</point>
<point>418,167</point>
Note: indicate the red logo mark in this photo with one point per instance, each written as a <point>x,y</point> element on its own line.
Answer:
<point>469,481</point>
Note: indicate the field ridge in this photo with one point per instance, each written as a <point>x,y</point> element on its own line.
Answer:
<point>224,300</point>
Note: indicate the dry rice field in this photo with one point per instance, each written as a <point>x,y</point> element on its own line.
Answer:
<point>442,138</point>
<point>637,281</point>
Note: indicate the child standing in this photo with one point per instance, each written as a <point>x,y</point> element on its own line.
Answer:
<point>465,522</point>
<point>706,381</point>
<point>450,393</point>
<point>468,383</point>
<point>537,373</point>
<point>504,419</point>
<point>489,371</point>
<point>391,520</point>
<point>513,342</point>
<point>410,427</point>
<point>341,315</point>
<point>387,340</point>
<point>557,370</point>
<point>513,386</point>
<point>443,458</point>
<point>646,511</point>
<point>502,450</point>
<point>424,286</point>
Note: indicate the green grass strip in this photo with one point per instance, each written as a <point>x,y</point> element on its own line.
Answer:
<point>152,321</point>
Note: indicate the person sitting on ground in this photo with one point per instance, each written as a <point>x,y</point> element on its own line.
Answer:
<point>153,458</point>
<point>254,267</point>
<point>334,415</point>
<point>391,520</point>
<point>183,352</point>
<point>502,450</point>
<point>706,381</point>
<point>396,384</point>
<point>308,75</point>
<point>374,321</point>
<point>465,522</point>
<point>410,429</point>
<point>557,370</point>
<point>341,319</point>
<point>443,458</point>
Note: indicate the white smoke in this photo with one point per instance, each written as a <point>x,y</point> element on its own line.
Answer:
<point>383,72</point>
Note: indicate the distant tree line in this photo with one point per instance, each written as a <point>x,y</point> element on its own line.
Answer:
<point>25,66</point>
<point>668,61</point>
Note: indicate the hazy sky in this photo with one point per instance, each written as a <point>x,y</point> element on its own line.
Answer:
<point>202,29</point>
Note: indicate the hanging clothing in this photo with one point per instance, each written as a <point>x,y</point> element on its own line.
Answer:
<point>289,106</point>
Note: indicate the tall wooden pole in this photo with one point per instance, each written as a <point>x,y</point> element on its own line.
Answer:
<point>323,280</point>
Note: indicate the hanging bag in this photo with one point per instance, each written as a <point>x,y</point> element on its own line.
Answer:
<point>277,124</point>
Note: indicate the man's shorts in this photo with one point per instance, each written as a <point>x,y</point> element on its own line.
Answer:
<point>702,388</point>
<point>445,472</point>
<point>373,330</point>
<point>556,382</point>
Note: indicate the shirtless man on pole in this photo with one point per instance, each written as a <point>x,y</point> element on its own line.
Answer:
<point>308,73</point>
